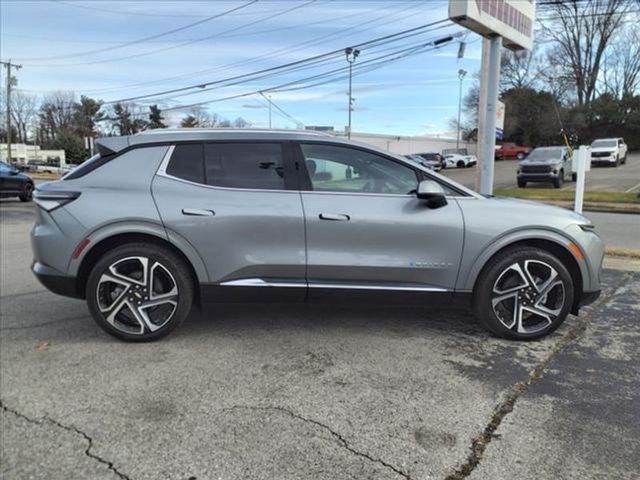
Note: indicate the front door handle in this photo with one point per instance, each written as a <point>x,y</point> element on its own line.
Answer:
<point>336,217</point>
<point>197,212</point>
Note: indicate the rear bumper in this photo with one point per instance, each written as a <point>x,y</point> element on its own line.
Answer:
<point>55,281</point>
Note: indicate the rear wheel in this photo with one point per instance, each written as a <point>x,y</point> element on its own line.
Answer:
<point>139,292</point>
<point>27,193</point>
<point>460,164</point>
<point>524,293</point>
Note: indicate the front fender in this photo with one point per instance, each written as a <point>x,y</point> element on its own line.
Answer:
<point>472,266</point>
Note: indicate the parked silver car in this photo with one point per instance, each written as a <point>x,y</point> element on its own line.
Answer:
<point>163,220</point>
<point>547,165</point>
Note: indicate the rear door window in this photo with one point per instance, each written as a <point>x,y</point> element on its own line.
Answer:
<point>244,165</point>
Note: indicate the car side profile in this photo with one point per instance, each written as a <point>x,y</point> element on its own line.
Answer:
<point>160,221</point>
<point>14,183</point>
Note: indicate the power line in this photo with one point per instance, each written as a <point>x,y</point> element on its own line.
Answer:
<point>401,34</point>
<point>142,40</point>
<point>371,64</point>
<point>183,44</point>
<point>290,49</point>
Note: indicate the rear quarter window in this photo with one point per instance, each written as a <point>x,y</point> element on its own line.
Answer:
<point>187,162</point>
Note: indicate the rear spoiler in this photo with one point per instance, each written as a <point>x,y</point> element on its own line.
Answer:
<point>110,145</point>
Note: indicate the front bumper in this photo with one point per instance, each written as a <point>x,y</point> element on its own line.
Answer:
<point>538,177</point>
<point>603,160</point>
<point>55,281</point>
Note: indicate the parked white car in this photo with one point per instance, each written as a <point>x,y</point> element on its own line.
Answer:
<point>608,151</point>
<point>461,161</point>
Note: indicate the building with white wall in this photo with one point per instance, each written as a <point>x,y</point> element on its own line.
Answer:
<point>21,153</point>
<point>404,145</point>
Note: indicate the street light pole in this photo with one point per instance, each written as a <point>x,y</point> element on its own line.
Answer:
<point>351,54</point>
<point>461,75</point>
<point>10,83</point>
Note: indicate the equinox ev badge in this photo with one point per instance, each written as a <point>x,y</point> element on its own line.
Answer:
<point>414,264</point>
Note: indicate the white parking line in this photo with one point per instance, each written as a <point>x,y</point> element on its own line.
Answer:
<point>632,188</point>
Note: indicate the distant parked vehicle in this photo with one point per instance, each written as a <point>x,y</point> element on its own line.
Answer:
<point>434,165</point>
<point>40,166</point>
<point>545,164</point>
<point>434,157</point>
<point>511,150</point>
<point>460,161</point>
<point>608,151</point>
<point>14,183</point>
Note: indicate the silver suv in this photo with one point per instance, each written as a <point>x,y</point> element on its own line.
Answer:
<point>160,221</point>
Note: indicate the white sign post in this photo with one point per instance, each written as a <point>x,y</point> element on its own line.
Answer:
<point>506,23</point>
<point>581,163</point>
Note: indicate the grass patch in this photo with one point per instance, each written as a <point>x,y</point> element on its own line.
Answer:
<point>568,195</point>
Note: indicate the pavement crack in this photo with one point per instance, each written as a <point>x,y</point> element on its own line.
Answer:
<point>88,451</point>
<point>341,440</point>
<point>505,407</point>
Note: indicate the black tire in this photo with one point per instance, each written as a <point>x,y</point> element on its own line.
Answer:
<point>460,164</point>
<point>180,275</point>
<point>617,164</point>
<point>27,192</point>
<point>522,184</point>
<point>574,177</point>
<point>493,271</point>
<point>557,183</point>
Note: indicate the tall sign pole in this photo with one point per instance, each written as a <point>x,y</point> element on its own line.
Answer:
<point>507,23</point>
<point>10,83</point>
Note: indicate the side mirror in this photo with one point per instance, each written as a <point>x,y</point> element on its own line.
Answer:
<point>14,171</point>
<point>432,192</point>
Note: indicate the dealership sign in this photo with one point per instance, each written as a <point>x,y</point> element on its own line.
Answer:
<point>510,19</point>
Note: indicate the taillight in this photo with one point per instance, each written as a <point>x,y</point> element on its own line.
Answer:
<point>51,199</point>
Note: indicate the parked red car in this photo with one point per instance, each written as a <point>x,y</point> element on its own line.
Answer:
<point>511,150</point>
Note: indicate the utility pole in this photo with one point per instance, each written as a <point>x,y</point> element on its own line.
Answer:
<point>351,54</point>
<point>461,75</point>
<point>10,82</point>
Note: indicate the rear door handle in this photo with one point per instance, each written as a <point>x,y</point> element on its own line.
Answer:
<point>336,217</point>
<point>197,212</point>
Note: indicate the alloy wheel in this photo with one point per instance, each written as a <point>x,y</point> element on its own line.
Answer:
<point>137,295</point>
<point>528,296</point>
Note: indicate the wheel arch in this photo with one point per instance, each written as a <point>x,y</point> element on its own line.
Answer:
<point>551,244</point>
<point>101,243</point>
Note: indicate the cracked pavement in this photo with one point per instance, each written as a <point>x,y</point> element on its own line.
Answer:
<point>290,391</point>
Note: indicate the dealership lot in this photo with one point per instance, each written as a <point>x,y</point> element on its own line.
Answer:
<point>625,178</point>
<point>286,391</point>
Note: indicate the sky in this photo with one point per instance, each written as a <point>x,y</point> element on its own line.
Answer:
<point>113,50</point>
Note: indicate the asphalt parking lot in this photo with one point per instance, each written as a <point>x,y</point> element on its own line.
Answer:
<point>625,178</point>
<point>307,392</point>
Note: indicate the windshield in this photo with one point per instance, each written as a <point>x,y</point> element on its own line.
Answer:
<point>604,144</point>
<point>545,154</point>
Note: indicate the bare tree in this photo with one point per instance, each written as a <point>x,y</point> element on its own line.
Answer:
<point>24,112</point>
<point>518,70</point>
<point>582,31</point>
<point>621,69</point>
<point>57,113</point>
<point>203,118</point>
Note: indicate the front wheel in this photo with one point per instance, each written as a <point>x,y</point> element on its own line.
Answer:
<point>524,293</point>
<point>139,292</point>
<point>460,164</point>
<point>522,184</point>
